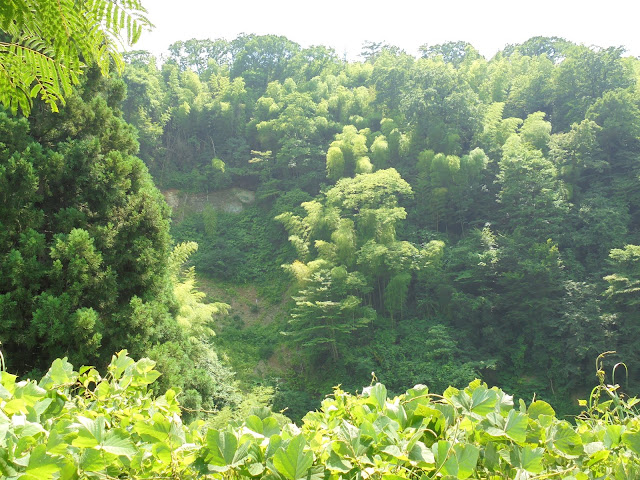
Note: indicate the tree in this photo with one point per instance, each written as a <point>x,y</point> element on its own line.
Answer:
<point>451,52</point>
<point>47,45</point>
<point>327,312</point>
<point>532,197</point>
<point>582,78</point>
<point>622,293</point>
<point>85,234</point>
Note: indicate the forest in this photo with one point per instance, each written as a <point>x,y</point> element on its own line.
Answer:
<point>292,266</point>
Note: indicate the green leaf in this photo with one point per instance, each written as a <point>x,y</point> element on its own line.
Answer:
<point>117,443</point>
<point>467,459</point>
<point>293,462</point>
<point>254,423</point>
<point>29,392</point>
<point>527,458</point>
<point>90,432</point>
<point>270,427</point>
<point>56,443</point>
<point>612,435</point>
<point>566,440</point>
<point>119,363</point>
<point>4,393</point>
<point>17,405</point>
<point>255,469</point>
<point>597,457</point>
<point>516,426</point>
<point>41,465</point>
<point>632,440</point>
<point>377,393</point>
<point>60,373</point>
<point>538,408</point>
<point>93,460</point>
<point>337,464</point>
<point>445,458</point>
<point>222,447</point>
<point>40,407</point>
<point>421,455</point>
<point>151,432</point>
<point>483,401</point>
<point>8,381</point>
<point>274,444</point>
<point>394,451</point>
<point>224,452</point>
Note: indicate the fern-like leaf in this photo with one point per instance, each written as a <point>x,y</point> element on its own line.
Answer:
<point>52,41</point>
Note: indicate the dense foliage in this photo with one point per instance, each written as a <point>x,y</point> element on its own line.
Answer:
<point>86,261</point>
<point>446,203</point>
<point>430,219</point>
<point>85,425</point>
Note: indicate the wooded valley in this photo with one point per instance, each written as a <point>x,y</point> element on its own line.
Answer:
<point>396,220</point>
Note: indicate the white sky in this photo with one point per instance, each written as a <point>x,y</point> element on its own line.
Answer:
<point>345,24</point>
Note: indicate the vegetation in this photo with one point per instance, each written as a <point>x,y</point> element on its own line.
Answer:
<point>471,204</point>
<point>85,425</point>
<point>433,220</point>
<point>46,44</point>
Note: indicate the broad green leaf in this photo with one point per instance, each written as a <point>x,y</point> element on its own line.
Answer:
<point>351,435</point>
<point>597,457</point>
<point>254,423</point>
<point>255,469</point>
<point>29,392</point>
<point>467,458</point>
<point>41,465</point>
<point>270,426</point>
<point>538,408</point>
<point>90,432</point>
<point>516,426</point>
<point>613,435</point>
<point>222,448</point>
<point>445,458</point>
<point>144,374</point>
<point>483,401</point>
<point>17,405</point>
<point>118,443</point>
<point>93,460</point>
<point>162,452</point>
<point>119,363</point>
<point>8,381</point>
<point>377,393</point>
<point>632,440</point>
<point>421,455</point>
<point>40,407</point>
<point>337,464</point>
<point>150,432</point>
<point>28,429</point>
<point>394,451</point>
<point>448,411</point>
<point>60,373</point>
<point>491,456</point>
<point>4,393</point>
<point>274,444</point>
<point>103,390</point>
<point>293,462</point>
<point>566,440</point>
<point>527,458</point>
<point>397,413</point>
<point>434,420</point>
<point>56,443</point>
